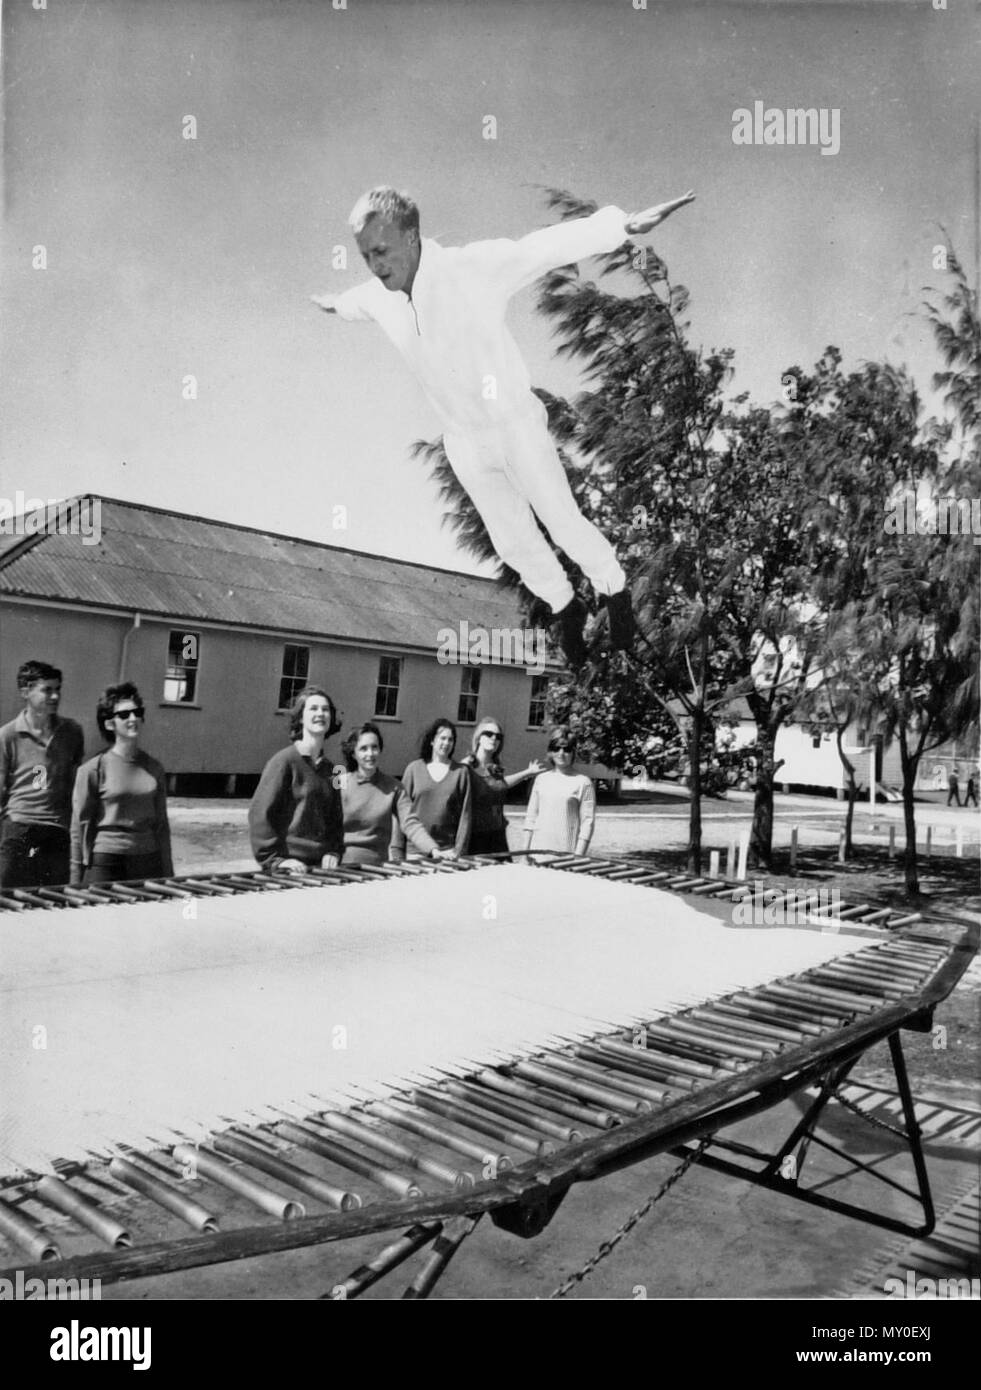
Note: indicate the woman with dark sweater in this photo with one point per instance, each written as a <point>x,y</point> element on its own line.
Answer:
<point>439,790</point>
<point>119,824</point>
<point>295,819</point>
<point>489,786</point>
<point>377,811</point>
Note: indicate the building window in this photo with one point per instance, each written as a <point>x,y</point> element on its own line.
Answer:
<point>469,693</point>
<point>816,741</point>
<point>536,709</point>
<point>389,680</point>
<point>296,666</point>
<point>181,679</point>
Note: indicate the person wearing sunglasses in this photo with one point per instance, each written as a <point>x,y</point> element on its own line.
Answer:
<point>562,805</point>
<point>119,811</point>
<point>489,786</point>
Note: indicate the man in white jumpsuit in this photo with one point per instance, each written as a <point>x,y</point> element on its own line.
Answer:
<point>444,309</point>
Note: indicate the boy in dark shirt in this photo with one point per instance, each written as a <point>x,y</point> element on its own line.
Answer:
<point>39,755</point>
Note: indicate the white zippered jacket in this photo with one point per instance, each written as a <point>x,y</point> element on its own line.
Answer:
<point>451,329</point>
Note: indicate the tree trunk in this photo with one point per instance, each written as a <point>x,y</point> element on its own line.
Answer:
<point>761,839</point>
<point>695,783</point>
<point>850,813</point>
<point>852,791</point>
<point>909,765</point>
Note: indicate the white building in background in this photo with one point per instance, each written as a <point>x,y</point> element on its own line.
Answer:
<point>811,761</point>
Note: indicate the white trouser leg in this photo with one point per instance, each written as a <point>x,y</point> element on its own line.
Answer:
<point>479,463</point>
<point>534,465</point>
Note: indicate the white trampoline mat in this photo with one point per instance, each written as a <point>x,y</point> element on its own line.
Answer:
<point>137,1024</point>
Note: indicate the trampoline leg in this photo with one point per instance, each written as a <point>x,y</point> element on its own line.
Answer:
<point>388,1259</point>
<point>445,1246</point>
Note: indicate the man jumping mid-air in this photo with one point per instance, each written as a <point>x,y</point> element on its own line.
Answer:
<point>444,309</point>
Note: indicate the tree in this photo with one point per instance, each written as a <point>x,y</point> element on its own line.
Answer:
<point>890,644</point>
<point>712,496</point>
<point>858,438</point>
<point>702,502</point>
<point>954,318</point>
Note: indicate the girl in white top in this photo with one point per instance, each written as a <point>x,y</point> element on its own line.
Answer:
<point>562,805</point>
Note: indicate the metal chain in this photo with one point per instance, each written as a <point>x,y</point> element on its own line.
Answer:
<point>608,1246</point>
<point>870,1119</point>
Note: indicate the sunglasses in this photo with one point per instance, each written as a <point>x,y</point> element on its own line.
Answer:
<point>489,733</point>
<point>125,713</point>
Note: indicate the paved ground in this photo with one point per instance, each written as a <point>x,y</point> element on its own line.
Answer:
<point>711,1236</point>
<point>213,833</point>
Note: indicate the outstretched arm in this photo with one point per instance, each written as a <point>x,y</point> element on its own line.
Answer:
<point>352,305</point>
<point>514,264</point>
<point>640,222</point>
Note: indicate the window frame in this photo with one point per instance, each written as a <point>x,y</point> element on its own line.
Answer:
<point>387,687</point>
<point>538,700</point>
<point>472,675</point>
<point>283,708</point>
<point>194,700</point>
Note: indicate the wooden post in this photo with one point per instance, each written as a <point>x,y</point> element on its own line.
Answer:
<point>841,847</point>
<point>793,848</point>
<point>929,839</point>
<point>731,860</point>
<point>743,856</point>
<point>892,842</point>
<point>714,863</point>
<point>960,842</point>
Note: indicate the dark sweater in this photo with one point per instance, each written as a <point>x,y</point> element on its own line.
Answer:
<point>296,811</point>
<point>488,827</point>
<point>376,813</point>
<point>443,807</point>
<point>120,807</point>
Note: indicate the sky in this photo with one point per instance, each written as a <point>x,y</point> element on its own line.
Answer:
<point>168,258</point>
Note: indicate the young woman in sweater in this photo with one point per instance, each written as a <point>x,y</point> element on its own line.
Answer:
<point>489,786</point>
<point>439,790</point>
<point>119,824</point>
<point>295,820</point>
<point>377,811</point>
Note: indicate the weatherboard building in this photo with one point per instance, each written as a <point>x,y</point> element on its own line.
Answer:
<point>220,625</point>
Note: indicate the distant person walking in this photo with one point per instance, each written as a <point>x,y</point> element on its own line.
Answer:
<point>953,788</point>
<point>39,756</point>
<point>971,790</point>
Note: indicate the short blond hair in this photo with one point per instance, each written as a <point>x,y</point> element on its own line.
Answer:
<point>388,204</point>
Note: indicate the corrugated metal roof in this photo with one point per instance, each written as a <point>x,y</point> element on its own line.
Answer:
<point>156,561</point>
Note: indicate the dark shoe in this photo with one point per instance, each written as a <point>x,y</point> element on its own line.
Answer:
<point>569,625</point>
<point>622,625</point>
